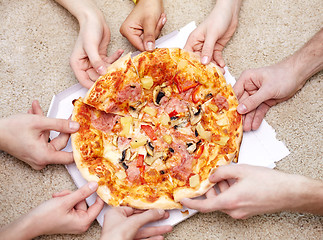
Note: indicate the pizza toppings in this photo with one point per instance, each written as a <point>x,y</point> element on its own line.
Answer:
<point>168,122</point>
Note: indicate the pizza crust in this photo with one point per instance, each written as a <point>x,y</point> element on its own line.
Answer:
<point>163,201</point>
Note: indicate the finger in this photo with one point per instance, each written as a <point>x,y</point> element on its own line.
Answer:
<point>79,71</point>
<point>218,58</point>
<point>207,50</point>
<point>80,194</point>
<point>153,231</point>
<point>151,215</point>
<point>93,75</point>
<point>36,108</point>
<point>160,24</point>
<point>259,116</point>
<point>190,42</point>
<point>223,185</point>
<point>149,34</point>
<point>81,206</point>
<point>133,36</point>
<point>61,194</point>
<point>59,125</point>
<point>155,238</point>
<point>59,157</point>
<point>239,86</point>
<point>61,141</point>
<point>204,205</point>
<point>115,56</point>
<point>247,124</point>
<point>96,61</point>
<point>117,213</point>
<point>226,172</point>
<point>211,193</point>
<point>94,210</point>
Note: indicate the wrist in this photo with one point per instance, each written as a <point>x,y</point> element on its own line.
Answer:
<point>306,195</point>
<point>24,228</point>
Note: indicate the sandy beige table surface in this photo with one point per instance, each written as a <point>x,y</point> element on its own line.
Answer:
<point>37,37</point>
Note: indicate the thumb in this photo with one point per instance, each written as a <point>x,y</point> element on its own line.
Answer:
<point>149,35</point>
<point>208,48</point>
<point>95,59</point>
<point>59,125</point>
<point>80,194</point>
<point>252,102</point>
<point>141,219</point>
<point>226,172</point>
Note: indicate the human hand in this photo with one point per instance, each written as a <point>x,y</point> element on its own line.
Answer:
<point>66,212</point>
<point>25,136</point>
<point>89,58</point>
<point>256,190</point>
<point>125,223</point>
<point>144,24</point>
<point>211,36</point>
<point>261,88</point>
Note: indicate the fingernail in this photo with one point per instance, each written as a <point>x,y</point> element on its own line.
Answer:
<point>241,108</point>
<point>204,60</point>
<point>74,125</point>
<point>164,21</point>
<point>150,46</point>
<point>161,211</point>
<point>100,70</point>
<point>93,185</point>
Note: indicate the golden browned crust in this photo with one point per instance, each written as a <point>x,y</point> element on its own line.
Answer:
<point>163,201</point>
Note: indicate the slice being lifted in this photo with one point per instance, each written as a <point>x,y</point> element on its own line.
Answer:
<point>154,128</point>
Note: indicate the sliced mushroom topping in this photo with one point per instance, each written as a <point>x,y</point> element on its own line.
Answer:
<point>150,149</point>
<point>158,94</point>
<point>195,114</point>
<point>179,122</point>
<point>126,154</point>
<point>191,147</point>
<point>115,140</point>
<point>135,109</point>
<point>133,157</point>
<point>149,160</point>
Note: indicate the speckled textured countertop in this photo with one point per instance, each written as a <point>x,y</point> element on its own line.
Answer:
<point>37,37</point>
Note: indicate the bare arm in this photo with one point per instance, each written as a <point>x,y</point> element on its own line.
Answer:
<point>261,88</point>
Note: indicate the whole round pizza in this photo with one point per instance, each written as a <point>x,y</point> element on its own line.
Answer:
<point>154,128</point>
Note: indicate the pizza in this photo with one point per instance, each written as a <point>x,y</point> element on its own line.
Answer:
<point>154,128</point>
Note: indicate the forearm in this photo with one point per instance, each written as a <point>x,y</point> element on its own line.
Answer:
<point>21,229</point>
<point>80,9</point>
<point>306,195</point>
<point>308,60</point>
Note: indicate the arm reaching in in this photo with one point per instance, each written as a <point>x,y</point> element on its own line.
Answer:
<point>25,136</point>
<point>144,24</point>
<point>211,36</point>
<point>261,88</point>
<point>125,223</point>
<point>259,190</point>
<point>89,58</point>
<point>66,212</point>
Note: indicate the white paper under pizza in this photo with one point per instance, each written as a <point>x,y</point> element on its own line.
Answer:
<point>260,148</point>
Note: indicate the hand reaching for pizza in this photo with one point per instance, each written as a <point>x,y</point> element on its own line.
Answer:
<point>211,36</point>
<point>144,24</point>
<point>66,212</point>
<point>124,223</point>
<point>259,190</point>
<point>259,89</point>
<point>25,136</point>
<point>89,58</point>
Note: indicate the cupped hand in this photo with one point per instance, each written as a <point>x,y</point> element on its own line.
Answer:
<point>125,223</point>
<point>260,89</point>
<point>211,36</point>
<point>89,58</point>
<point>26,136</point>
<point>144,24</point>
